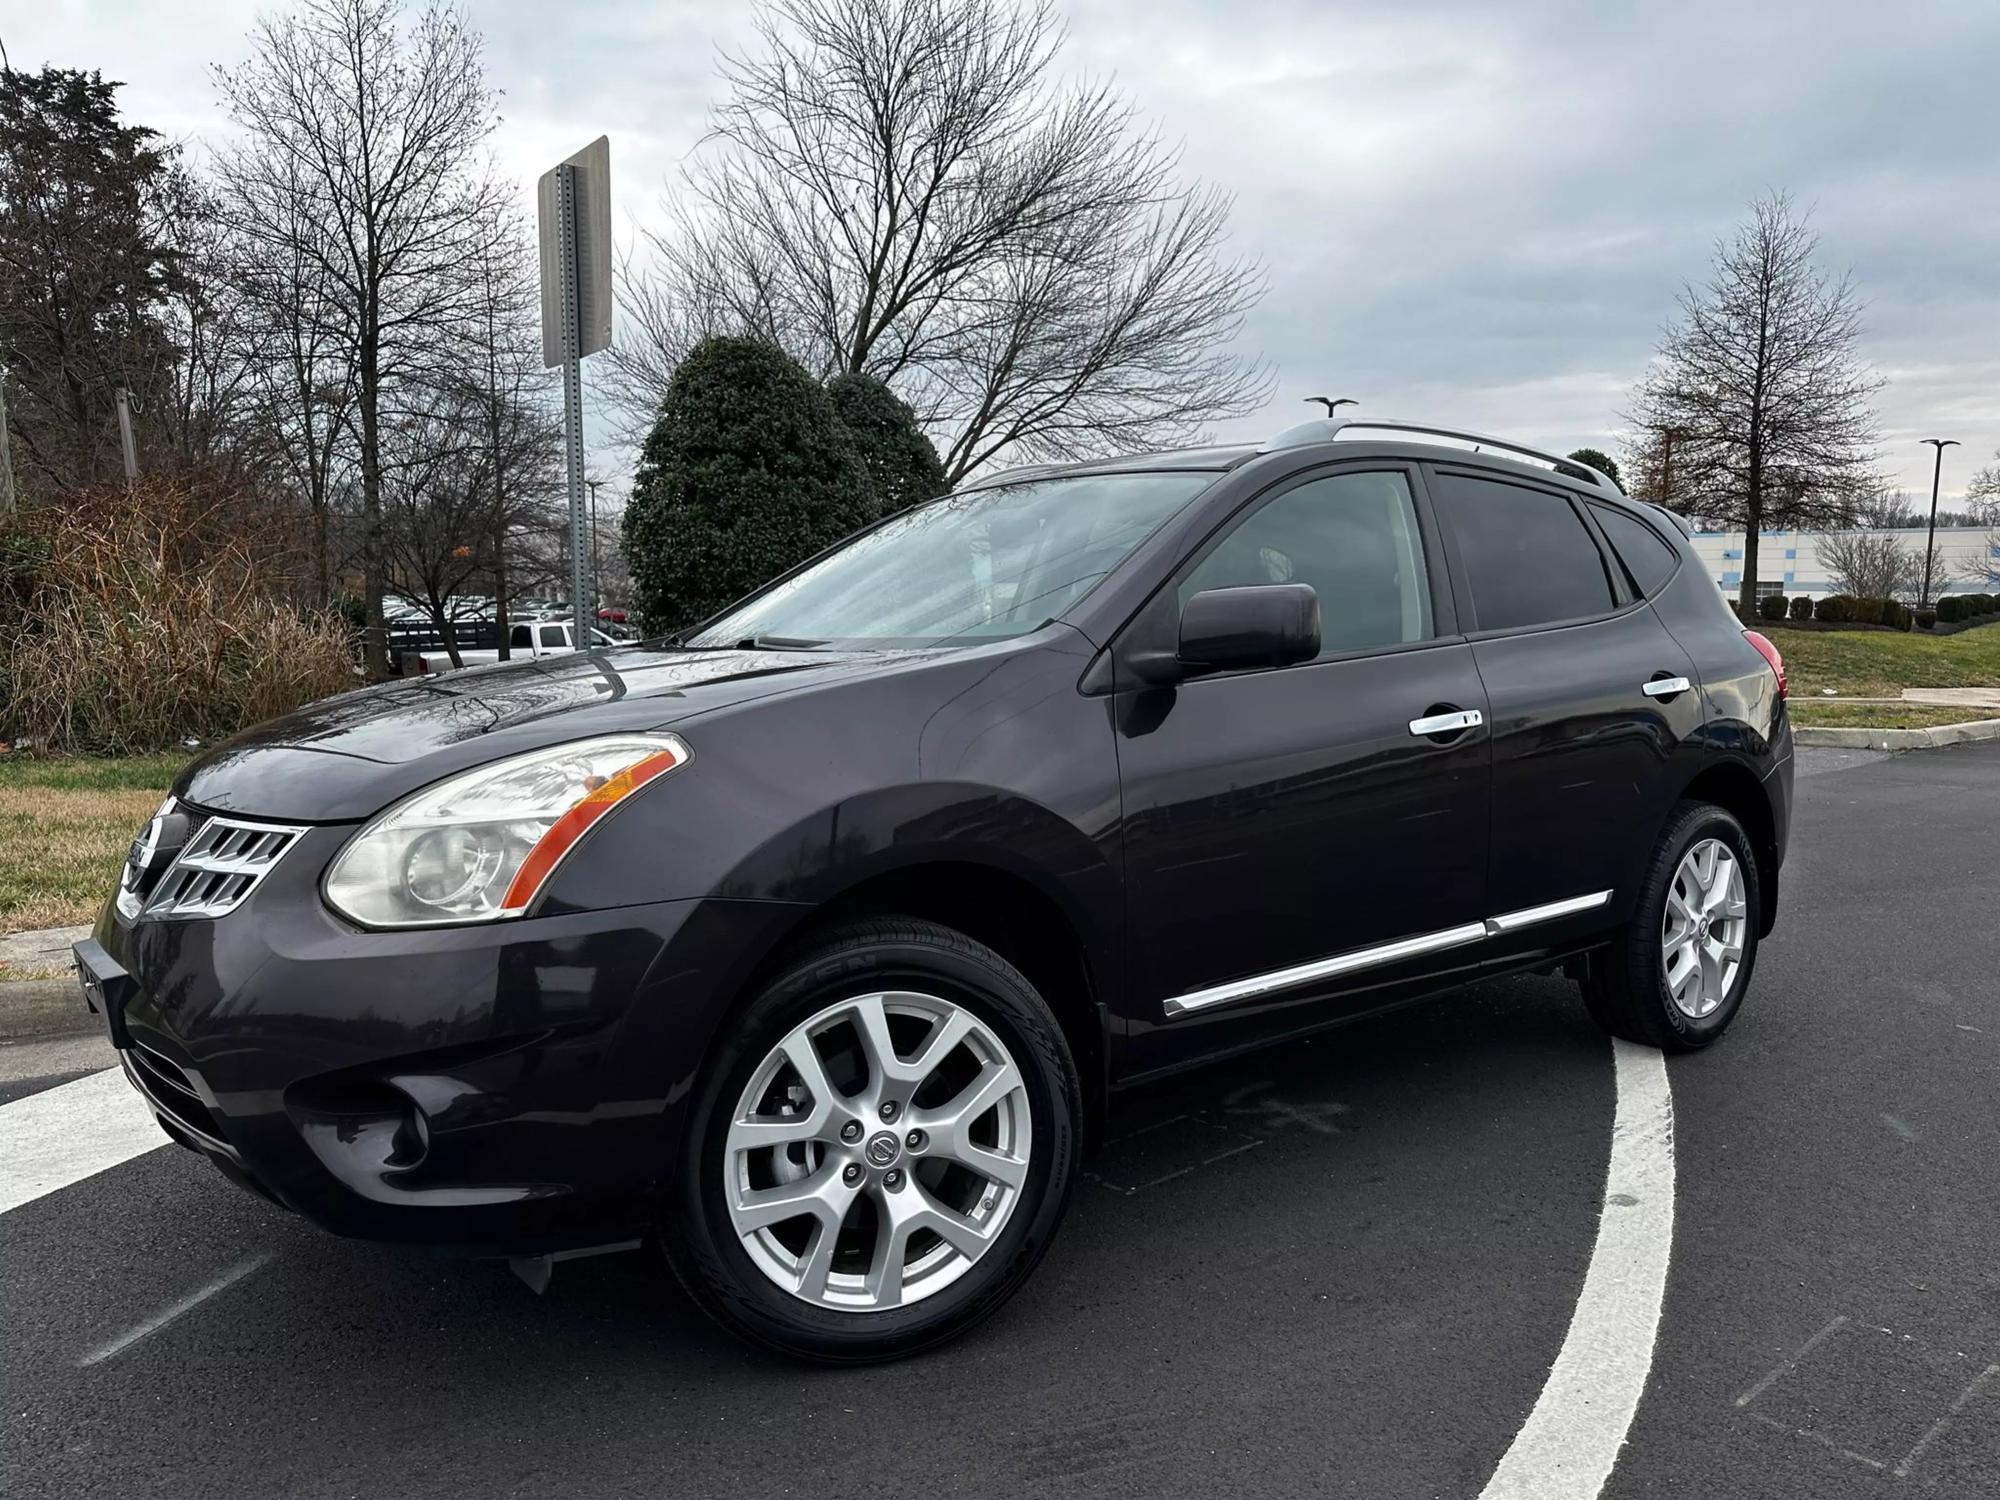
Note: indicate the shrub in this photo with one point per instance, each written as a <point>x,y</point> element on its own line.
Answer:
<point>1867,612</point>
<point>1834,609</point>
<point>901,462</point>
<point>1983,603</point>
<point>1927,619</point>
<point>1951,609</point>
<point>1894,615</point>
<point>1802,607</point>
<point>1772,606</point>
<point>746,473</point>
<point>141,630</point>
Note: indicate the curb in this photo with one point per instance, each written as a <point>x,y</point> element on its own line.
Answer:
<point>1897,739</point>
<point>44,1007</point>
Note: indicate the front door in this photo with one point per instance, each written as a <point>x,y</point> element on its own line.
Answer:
<point>1294,849</point>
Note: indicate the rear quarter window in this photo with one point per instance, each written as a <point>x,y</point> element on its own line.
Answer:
<point>1645,553</point>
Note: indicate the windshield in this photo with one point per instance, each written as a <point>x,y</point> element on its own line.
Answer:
<point>972,567</point>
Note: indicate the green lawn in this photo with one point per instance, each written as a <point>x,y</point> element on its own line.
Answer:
<point>64,828</point>
<point>1881,663</point>
<point>1831,713</point>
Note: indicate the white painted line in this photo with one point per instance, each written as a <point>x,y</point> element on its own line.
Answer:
<point>1572,1438</point>
<point>1790,1362</point>
<point>1964,1397</point>
<point>160,1320</point>
<point>73,1131</point>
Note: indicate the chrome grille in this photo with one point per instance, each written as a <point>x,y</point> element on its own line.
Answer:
<point>220,866</point>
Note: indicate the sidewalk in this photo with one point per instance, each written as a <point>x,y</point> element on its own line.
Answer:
<point>48,1004</point>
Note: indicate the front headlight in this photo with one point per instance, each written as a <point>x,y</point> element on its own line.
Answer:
<point>483,844</point>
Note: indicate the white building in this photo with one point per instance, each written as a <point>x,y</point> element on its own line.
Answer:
<point>1788,562</point>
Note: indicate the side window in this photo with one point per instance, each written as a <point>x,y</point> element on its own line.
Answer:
<point>517,638</point>
<point>552,637</point>
<point>1649,560</point>
<point>1527,557</point>
<point>1354,538</point>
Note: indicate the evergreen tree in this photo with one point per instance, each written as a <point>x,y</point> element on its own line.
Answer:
<point>1601,461</point>
<point>900,460</point>
<point>85,272</point>
<point>746,472</point>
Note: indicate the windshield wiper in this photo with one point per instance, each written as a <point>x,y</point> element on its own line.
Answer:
<point>776,643</point>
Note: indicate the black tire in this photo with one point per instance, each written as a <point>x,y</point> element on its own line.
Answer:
<point>887,953</point>
<point>1626,988</point>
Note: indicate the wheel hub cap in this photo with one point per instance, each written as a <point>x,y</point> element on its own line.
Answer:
<point>883,1150</point>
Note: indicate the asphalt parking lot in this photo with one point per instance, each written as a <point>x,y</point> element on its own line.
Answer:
<point>1342,1268</point>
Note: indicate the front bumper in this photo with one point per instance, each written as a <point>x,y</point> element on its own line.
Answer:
<point>511,1086</point>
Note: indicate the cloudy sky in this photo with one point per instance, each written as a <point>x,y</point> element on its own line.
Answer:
<point>1474,211</point>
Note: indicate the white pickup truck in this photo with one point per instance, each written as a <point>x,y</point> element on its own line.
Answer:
<point>525,641</point>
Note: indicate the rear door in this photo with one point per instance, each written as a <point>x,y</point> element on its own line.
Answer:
<point>1596,716</point>
<point>1293,849</point>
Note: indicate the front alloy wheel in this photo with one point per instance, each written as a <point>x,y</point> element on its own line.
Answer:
<point>880,1148</point>
<point>878,1151</point>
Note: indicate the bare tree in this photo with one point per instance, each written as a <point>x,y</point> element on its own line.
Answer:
<point>1759,382</point>
<point>511,388</point>
<point>1885,510</point>
<point>442,537</point>
<point>1982,495</point>
<point>299,343</point>
<point>378,133</point>
<point>901,188</point>
<point>1871,564</point>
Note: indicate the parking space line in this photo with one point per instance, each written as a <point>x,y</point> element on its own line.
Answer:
<point>1571,1440</point>
<point>161,1319</point>
<point>1964,1398</point>
<point>73,1131</point>
<point>1791,1361</point>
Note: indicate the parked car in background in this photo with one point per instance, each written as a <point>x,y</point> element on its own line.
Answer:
<point>813,944</point>
<point>527,641</point>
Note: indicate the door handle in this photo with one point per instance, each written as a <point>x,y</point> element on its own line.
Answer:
<point>1665,687</point>
<point>1451,723</point>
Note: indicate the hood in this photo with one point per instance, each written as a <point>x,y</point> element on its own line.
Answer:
<point>347,757</point>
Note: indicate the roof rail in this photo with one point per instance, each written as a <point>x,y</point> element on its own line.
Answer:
<point>1326,429</point>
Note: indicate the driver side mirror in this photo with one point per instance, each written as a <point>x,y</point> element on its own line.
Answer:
<point>1269,625</point>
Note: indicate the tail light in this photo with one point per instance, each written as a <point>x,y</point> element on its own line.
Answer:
<point>1770,654</point>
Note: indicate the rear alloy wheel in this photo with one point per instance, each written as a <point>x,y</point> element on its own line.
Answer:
<point>1704,930</point>
<point>1675,977</point>
<point>883,1149</point>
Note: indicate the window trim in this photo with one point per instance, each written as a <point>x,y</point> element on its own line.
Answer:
<point>1444,616</point>
<point>1624,600</point>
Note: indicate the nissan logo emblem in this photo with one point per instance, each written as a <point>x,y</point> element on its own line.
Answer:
<point>883,1149</point>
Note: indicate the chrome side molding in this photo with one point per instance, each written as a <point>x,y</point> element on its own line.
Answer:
<point>1528,916</point>
<point>1356,959</point>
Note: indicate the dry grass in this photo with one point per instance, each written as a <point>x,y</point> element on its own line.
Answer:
<point>64,830</point>
<point>142,622</point>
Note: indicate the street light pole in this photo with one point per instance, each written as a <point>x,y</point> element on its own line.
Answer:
<point>1930,538</point>
<point>595,602</point>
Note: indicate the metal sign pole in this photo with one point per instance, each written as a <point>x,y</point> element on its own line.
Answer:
<point>124,400</point>
<point>573,402</point>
